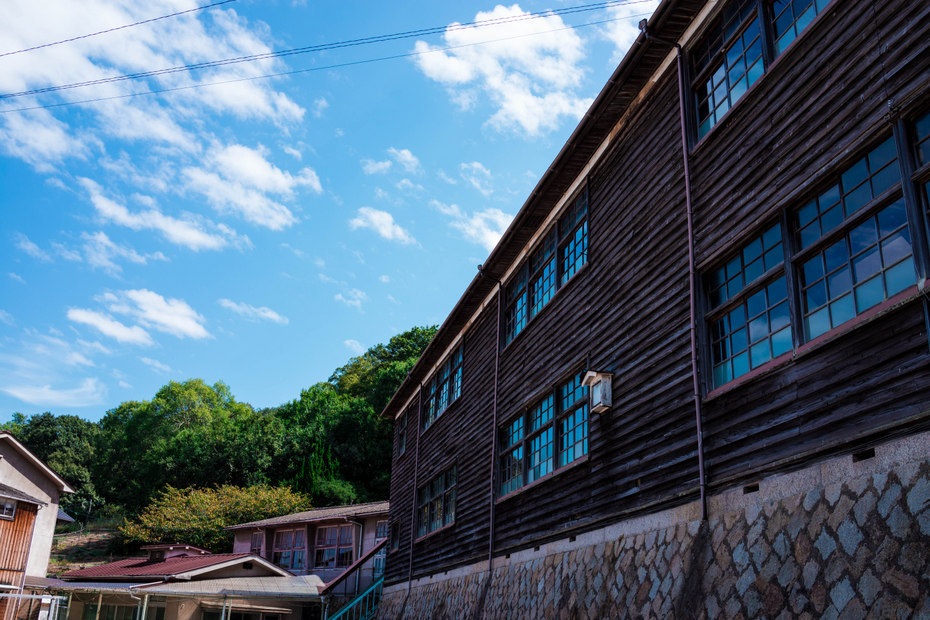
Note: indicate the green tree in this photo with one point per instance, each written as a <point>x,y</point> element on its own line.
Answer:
<point>199,516</point>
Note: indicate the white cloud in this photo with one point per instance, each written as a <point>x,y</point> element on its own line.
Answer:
<point>531,80</point>
<point>156,365</point>
<point>192,232</point>
<point>445,177</point>
<point>172,316</point>
<point>37,137</point>
<point>406,185</point>
<point>370,166</point>
<point>239,180</point>
<point>101,252</point>
<point>354,346</point>
<point>89,392</point>
<point>6,317</point>
<point>382,223</point>
<point>17,277</point>
<point>124,384</point>
<point>352,298</point>
<point>319,105</point>
<point>108,326</point>
<point>482,227</point>
<point>477,176</point>
<point>405,158</point>
<point>384,279</point>
<point>26,245</point>
<point>253,313</point>
<point>625,27</point>
<point>292,152</point>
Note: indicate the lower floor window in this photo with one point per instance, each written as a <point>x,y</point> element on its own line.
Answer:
<point>334,547</point>
<point>123,612</point>
<point>551,434</point>
<point>436,503</point>
<point>290,548</point>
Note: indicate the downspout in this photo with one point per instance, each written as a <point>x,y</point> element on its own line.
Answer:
<point>692,272</point>
<point>416,472</point>
<point>497,357</point>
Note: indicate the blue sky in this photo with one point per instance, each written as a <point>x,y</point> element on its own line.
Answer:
<point>263,230</point>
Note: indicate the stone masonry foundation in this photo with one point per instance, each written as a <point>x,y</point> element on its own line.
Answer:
<point>840,539</point>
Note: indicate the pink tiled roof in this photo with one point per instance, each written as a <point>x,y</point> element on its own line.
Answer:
<point>143,567</point>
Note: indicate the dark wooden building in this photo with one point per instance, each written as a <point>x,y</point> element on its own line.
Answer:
<point>722,276</point>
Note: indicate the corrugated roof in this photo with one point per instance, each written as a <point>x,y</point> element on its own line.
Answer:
<point>294,587</point>
<point>143,567</point>
<point>11,493</point>
<point>320,514</point>
<point>64,516</point>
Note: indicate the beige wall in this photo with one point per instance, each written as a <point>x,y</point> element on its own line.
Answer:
<point>17,472</point>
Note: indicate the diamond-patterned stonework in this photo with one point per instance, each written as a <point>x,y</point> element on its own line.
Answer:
<point>860,549</point>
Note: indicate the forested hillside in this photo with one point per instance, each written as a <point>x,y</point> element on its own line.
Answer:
<point>329,444</point>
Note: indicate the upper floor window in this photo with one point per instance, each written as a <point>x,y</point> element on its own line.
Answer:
<point>561,252</point>
<point>737,47</point>
<point>851,249</point>
<point>7,508</point>
<point>255,546</point>
<point>335,547</point>
<point>444,387</point>
<point>377,563</point>
<point>550,434</point>
<point>436,503</point>
<point>402,433</point>
<point>750,321</point>
<point>290,548</point>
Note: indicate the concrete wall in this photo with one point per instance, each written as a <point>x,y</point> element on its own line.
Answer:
<point>19,473</point>
<point>837,539</point>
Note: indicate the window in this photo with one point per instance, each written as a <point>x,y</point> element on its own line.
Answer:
<point>750,320</point>
<point>402,434</point>
<point>334,547</point>
<point>736,49</point>
<point>290,549</point>
<point>855,253</point>
<point>529,442</point>
<point>7,508</point>
<point>436,503</point>
<point>395,537</point>
<point>377,564</point>
<point>561,253</point>
<point>444,388</point>
<point>851,248</point>
<point>256,544</point>
<point>123,612</point>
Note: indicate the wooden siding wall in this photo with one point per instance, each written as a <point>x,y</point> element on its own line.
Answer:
<point>15,538</point>
<point>803,116</point>
<point>627,311</point>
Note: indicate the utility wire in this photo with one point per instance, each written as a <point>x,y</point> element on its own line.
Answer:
<point>94,34</point>
<point>326,46</point>
<point>312,69</point>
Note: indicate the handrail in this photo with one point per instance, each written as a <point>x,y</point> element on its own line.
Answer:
<point>353,567</point>
<point>370,597</point>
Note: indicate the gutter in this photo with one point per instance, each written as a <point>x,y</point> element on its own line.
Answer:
<point>692,272</point>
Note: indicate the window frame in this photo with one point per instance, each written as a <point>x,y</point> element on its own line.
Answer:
<point>8,508</point>
<point>402,422</point>
<point>295,553</point>
<point>546,261</point>
<point>433,500</point>
<point>888,166</point>
<point>337,544</point>
<point>705,63</point>
<point>444,387</point>
<point>547,414</point>
<point>260,535</point>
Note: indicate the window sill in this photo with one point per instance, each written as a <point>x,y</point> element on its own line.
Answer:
<point>581,270</point>
<point>7,518</point>
<point>893,303</point>
<point>549,476</point>
<point>434,532</point>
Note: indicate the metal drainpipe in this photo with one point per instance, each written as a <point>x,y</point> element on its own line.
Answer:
<point>692,272</point>
<point>416,472</point>
<point>497,356</point>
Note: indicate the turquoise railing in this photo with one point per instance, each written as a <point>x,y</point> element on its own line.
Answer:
<point>364,606</point>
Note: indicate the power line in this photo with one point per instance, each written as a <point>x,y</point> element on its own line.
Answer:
<point>94,34</point>
<point>310,69</point>
<point>328,46</point>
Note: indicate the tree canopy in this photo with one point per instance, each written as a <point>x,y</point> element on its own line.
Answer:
<point>329,444</point>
